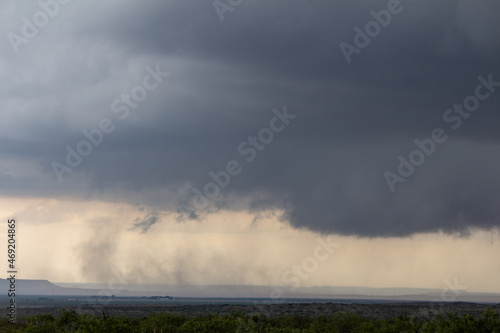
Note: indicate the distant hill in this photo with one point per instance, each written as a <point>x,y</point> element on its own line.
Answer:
<point>46,288</point>
<point>323,292</point>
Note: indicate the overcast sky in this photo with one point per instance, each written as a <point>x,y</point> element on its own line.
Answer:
<point>366,121</point>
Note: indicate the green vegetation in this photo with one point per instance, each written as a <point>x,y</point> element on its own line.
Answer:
<point>70,321</point>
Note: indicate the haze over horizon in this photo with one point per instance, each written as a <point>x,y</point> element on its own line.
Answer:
<point>287,143</point>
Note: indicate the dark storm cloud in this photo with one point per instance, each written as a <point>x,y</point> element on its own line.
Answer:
<point>146,223</point>
<point>325,170</point>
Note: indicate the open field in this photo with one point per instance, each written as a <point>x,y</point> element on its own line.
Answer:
<point>137,307</point>
<point>219,316</point>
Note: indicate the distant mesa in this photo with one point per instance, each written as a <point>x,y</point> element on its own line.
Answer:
<point>47,288</point>
<point>165,292</point>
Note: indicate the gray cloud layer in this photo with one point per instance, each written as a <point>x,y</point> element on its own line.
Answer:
<point>325,169</point>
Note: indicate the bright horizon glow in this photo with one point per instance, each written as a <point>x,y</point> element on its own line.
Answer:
<point>98,240</point>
